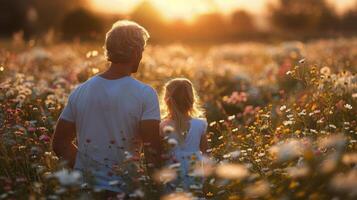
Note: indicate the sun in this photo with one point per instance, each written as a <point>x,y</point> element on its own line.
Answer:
<point>181,9</point>
<point>170,9</point>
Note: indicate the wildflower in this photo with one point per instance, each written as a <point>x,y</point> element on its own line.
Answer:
<point>282,108</point>
<point>68,178</point>
<point>302,61</point>
<point>261,154</point>
<point>175,165</point>
<point>266,116</point>
<point>287,150</point>
<point>289,122</point>
<point>350,158</point>
<point>203,169</point>
<point>348,106</point>
<point>168,129</point>
<point>249,110</point>
<point>91,54</point>
<point>233,154</point>
<point>196,187</point>
<point>112,183</point>
<point>332,126</point>
<point>178,196</point>
<point>337,141</point>
<point>297,172</point>
<point>258,189</point>
<point>44,138</point>
<point>236,97</point>
<point>230,118</point>
<point>138,193</point>
<point>95,70</point>
<point>165,175</point>
<point>31,129</point>
<point>303,112</point>
<point>345,182</point>
<point>212,123</point>
<point>325,71</point>
<point>172,141</point>
<point>232,171</point>
<point>20,98</point>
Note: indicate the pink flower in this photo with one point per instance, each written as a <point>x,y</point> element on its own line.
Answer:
<point>31,129</point>
<point>236,97</point>
<point>44,138</point>
<point>248,110</point>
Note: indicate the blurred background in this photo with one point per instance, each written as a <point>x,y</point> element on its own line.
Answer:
<point>187,21</point>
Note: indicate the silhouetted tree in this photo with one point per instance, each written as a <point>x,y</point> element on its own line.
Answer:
<point>81,23</point>
<point>33,16</point>
<point>303,15</point>
<point>349,19</point>
<point>242,22</point>
<point>149,17</point>
<point>179,30</point>
<point>52,12</point>
<point>211,26</point>
<point>13,16</point>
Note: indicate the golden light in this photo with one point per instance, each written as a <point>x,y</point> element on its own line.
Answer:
<point>179,9</point>
<point>189,9</point>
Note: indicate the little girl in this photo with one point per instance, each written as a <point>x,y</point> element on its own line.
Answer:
<point>181,117</point>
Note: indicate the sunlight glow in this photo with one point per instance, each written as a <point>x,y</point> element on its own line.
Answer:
<point>180,9</point>
<point>188,9</point>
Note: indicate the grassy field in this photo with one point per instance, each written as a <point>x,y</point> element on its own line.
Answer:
<point>282,118</point>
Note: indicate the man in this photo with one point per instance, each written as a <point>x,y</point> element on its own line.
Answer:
<point>109,111</point>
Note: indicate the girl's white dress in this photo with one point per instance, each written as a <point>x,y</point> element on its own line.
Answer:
<point>187,155</point>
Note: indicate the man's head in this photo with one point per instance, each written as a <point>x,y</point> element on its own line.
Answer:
<point>125,42</point>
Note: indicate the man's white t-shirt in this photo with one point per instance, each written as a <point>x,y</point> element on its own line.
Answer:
<point>107,114</point>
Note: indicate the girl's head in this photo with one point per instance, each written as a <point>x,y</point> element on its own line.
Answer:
<point>180,100</point>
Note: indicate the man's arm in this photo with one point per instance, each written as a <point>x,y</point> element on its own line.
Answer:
<point>62,145</point>
<point>149,133</point>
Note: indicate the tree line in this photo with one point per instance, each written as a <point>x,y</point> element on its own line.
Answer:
<point>289,19</point>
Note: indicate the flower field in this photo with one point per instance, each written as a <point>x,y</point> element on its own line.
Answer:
<point>282,119</point>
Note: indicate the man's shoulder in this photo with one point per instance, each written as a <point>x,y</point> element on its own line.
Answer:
<point>144,86</point>
<point>82,85</point>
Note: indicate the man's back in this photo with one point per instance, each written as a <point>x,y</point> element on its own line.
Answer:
<point>107,114</point>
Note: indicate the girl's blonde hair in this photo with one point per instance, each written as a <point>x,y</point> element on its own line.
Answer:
<point>180,100</point>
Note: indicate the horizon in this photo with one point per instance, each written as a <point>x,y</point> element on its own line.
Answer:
<point>177,9</point>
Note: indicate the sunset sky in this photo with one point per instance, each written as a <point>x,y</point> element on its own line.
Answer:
<point>188,9</point>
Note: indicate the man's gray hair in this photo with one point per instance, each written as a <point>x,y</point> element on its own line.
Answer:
<point>123,39</point>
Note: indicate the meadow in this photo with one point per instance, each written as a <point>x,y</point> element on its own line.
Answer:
<point>282,118</point>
